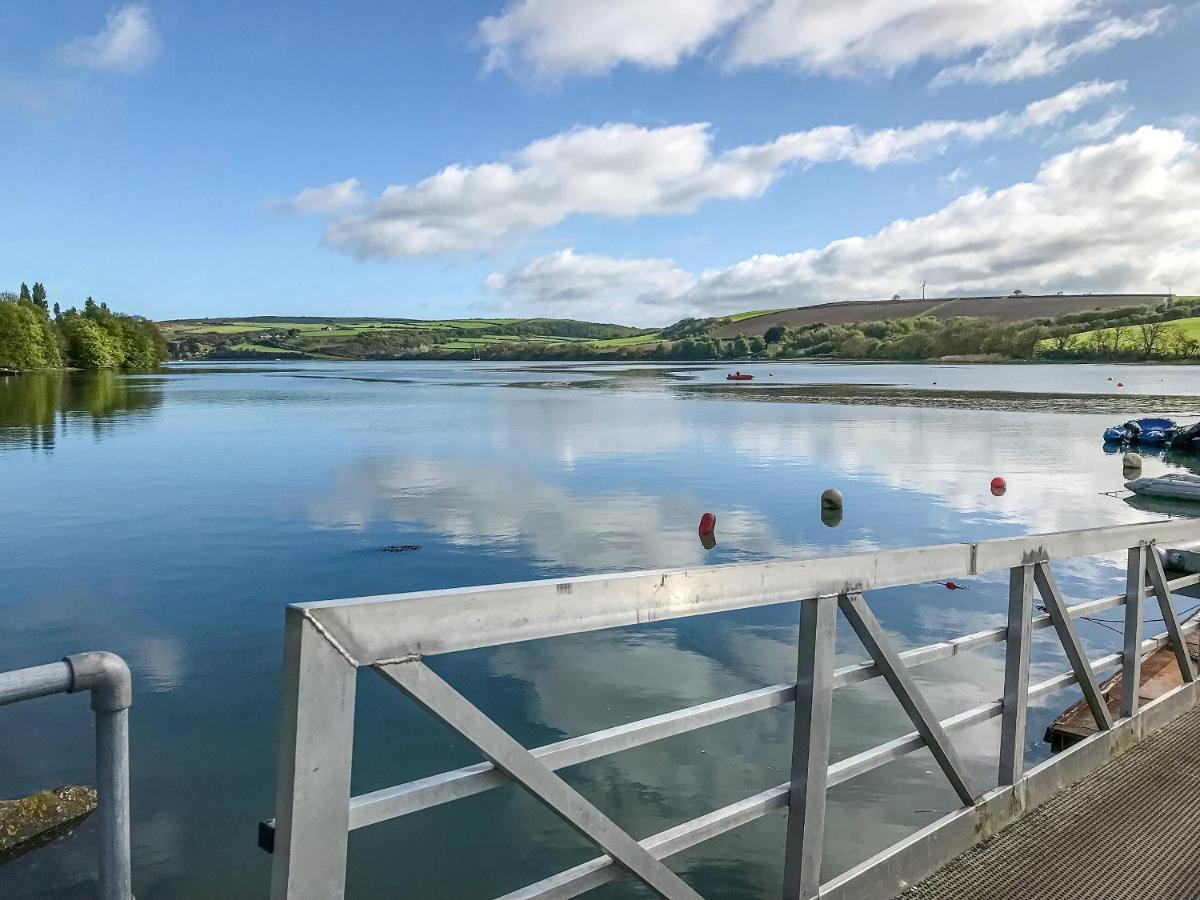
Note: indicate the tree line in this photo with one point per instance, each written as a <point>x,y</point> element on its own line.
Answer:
<point>1132,333</point>
<point>32,336</point>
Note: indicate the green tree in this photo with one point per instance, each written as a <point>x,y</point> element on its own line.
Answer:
<point>89,345</point>
<point>39,295</point>
<point>25,295</point>
<point>774,334</point>
<point>27,338</point>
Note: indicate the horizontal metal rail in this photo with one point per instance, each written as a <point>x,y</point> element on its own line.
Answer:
<point>107,678</point>
<point>598,871</point>
<point>424,793</point>
<point>327,642</point>
<point>394,627</point>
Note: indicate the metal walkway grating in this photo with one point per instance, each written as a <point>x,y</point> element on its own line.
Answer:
<point>1128,831</point>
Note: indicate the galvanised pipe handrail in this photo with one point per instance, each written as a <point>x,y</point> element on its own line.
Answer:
<point>107,677</point>
<point>325,644</point>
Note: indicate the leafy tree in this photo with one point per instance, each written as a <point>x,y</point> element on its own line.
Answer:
<point>1151,335</point>
<point>774,334</point>
<point>39,294</point>
<point>25,295</point>
<point>27,338</point>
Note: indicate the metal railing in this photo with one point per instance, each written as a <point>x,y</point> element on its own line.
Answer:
<point>107,677</point>
<point>326,643</point>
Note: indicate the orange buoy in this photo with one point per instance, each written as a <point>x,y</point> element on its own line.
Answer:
<point>708,523</point>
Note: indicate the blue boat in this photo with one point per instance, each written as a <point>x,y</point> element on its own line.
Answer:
<point>1149,431</point>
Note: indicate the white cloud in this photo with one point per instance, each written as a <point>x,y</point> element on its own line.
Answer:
<point>1045,55</point>
<point>1015,39</point>
<point>1122,215</point>
<point>623,170</point>
<point>127,43</point>
<point>555,37</point>
<point>1097,129</point>
<point>839,38</point>
<point>331,198</point>
<point>591,287</point>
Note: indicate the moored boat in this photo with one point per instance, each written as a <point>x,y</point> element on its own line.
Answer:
<point>1175,486</point>
<point>738,376</point>
<point>1152,431</point>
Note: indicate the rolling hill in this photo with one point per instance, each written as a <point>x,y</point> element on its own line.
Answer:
<point>1004,309</point>
<point>311,337</point>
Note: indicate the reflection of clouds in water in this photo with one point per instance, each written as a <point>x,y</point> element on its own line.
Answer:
<point>577,684</point>
<point>559,425</point>
<point>952,454</point>
<point>477,502</point>
<point>159,663</point>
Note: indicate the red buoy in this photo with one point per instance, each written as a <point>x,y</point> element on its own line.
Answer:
<point>1110,378</point>
<point>1120,384</point>
<point>708,523</point>
<point>951,586</point>
<point>999,484</point>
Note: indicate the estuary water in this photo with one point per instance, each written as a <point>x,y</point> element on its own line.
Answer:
<point>171,517</point>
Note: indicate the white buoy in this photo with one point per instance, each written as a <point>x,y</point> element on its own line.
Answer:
<point>1132,461</point>
<point>831,499</point>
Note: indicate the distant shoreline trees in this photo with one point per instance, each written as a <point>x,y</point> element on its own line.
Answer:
<point>92,338</point>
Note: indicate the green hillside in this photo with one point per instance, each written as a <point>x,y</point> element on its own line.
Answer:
<point>270,337</point>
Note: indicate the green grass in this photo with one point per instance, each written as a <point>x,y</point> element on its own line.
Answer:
<point>630,341</point>
<point>246,347</point>
<point>737,317</point>
<point>1130,339</point>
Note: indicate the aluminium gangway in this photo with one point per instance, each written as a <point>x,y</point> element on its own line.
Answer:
<point>327,643</point>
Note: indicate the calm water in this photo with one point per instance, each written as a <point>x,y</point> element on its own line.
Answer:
<point>171,518</point>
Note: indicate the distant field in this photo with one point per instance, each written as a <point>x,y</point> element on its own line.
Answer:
<point>1004,309</point>
<point>358,338</point>
<point>631,341</point>
<point>737,317</point>
<point>1130,336</point>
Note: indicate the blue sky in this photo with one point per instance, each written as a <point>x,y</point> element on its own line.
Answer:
<point>176,158</point>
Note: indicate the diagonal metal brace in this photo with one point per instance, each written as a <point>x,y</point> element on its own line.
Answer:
<point>1158,579</point>
<point>875,640</point>
<point>424,686</point>
<point>1056,607</point>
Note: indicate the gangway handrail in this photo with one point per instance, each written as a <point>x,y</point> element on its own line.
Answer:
<point>326,643</point>
<point>106,676</point>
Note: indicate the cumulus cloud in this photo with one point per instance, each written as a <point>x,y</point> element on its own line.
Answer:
<point>555,37</point>
<point>1121,215</point>
<point>571,284</point>
<point>1016,39</point>
<point>839,38</point>
<point>331,198</point>
<point>623,170</point>
<point>127,43</point>
<point>1046,55</point>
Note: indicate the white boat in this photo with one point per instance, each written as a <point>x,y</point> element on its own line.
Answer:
<point>1176,486</point>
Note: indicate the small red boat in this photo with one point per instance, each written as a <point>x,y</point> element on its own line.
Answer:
<point>738,376</point>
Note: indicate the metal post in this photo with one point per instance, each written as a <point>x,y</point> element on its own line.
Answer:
<point>1158,580</point>
<point>1016,674</point>
<point>112,779</point>
<point>1131,657</point>
<point>316,745</point>
<point>810,749</point>
<point>107,677</point>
